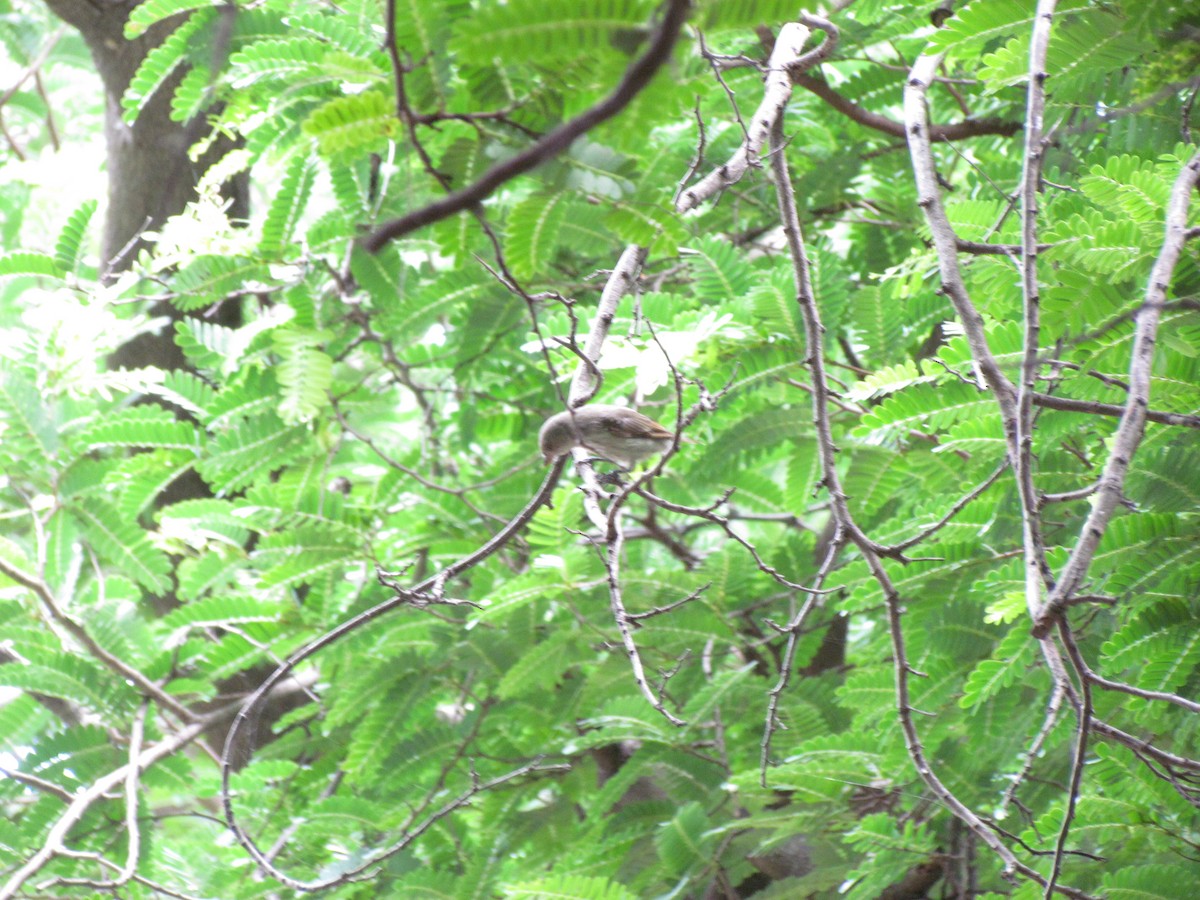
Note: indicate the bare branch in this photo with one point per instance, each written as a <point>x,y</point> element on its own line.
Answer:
<point>612,566</point>
<point>33,69</point>
<point>624,275</point>
<point>1085,712</point>
<point>1094,407</point>
<point>55,841</point>
<point>916,115</point>
<point>1037,570</point>
<point>1053,710</point>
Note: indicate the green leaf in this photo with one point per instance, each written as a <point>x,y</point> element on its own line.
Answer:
<point>251,450</point>
<point>123,543</point>
<point>70,678</point>
<point>549,29</point>
<point>305,373</point>
<point>1154,882</point>
<point>219,611</point>
<point>358,122</point>
<point>209,278</point>
<point>537,673</point>
<point>146,14</point>
<point>287,206</point>
<point>975,25</point>
<point>70,240</point>
<point>683,843</point>
<point>141,426</point>
<point>284,59</point>
<point>30,432</point>
<point>534,227</point>
<point>21,263</point>
<point>569,887</point>
<point>158,66</point>
<point>300,555</point>
<point>990,676</point>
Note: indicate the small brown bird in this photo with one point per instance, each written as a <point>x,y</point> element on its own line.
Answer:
<point>622,435</point>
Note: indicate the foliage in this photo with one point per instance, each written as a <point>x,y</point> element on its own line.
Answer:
<point>377,413</point>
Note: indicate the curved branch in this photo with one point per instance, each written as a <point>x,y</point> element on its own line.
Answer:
<point>637,76</point>
<point>427,592</point>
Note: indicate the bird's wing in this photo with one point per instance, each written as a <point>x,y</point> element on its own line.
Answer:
<point>637,425</point>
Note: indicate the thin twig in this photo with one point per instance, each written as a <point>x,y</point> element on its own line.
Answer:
<point>1049,720</point>
<point>1079,758</point>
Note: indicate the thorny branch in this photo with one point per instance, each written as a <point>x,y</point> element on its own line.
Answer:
<point>1085,711</point>
<point>775,96</point>
<point>584,385</point>
<point>431,591</point>
<point>1095,408</point>
<point>1129,431</point>
<point>1016,403</point>
<point>614,540</point>
<point>846,528</point>
<point>1037,572</point>
<point>945,242</point>
<point>586,382</point>
<point>849,530</point>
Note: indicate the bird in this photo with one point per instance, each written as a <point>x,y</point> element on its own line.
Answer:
<point>615,433</point>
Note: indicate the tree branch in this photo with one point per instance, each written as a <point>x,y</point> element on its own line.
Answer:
<point>77,631</point>
<point>1133,420</point>
<point>778,90</point>
<point>1036,569</point>
<point>1067,404</point>
<point>955,131</point>
<point>427,592</point>
<point>637,76</point>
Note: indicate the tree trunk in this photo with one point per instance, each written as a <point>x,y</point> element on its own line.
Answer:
<point>150,177</point>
